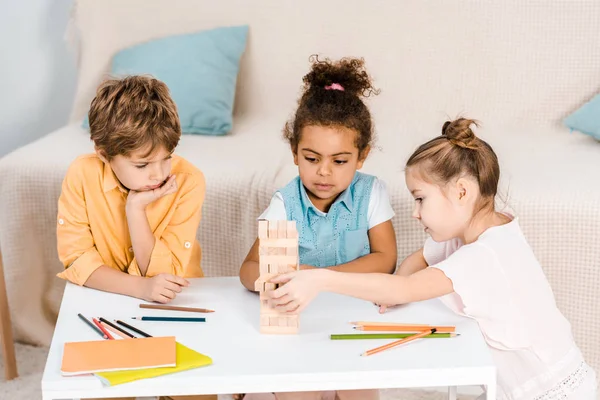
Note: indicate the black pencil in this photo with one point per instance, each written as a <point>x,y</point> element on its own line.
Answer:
<point>117,328</point>
<point>136,330</point>
<point>94,327</point>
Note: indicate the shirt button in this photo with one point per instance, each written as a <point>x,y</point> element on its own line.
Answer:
<point>61,221</point>
<point>187,245</point>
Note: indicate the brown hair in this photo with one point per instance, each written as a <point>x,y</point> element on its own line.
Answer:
<point>133,113</point>
<point>342,106</point>
<point>458,152</point>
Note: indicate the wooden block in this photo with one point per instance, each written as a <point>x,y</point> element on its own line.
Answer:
<point>292,251</point>
<point>281,229</point>
<point>273,269</point>
<point>264,320</point>
<point>264,268</point>
<point>263,228</point>
<point>273,229</point>
<point>273,320</point>
<point>271,251</point>
<point>262,279</point>
<point>279,259</point>
<point>292,232</point>
<point>283,321</point>
<point>278,330</point>
<point>279,242</point>
<point>269,286</point>
<point>292,321</point>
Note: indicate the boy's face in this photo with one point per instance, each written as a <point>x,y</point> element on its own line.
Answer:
<point>139,173</point>
<point>327,159</point>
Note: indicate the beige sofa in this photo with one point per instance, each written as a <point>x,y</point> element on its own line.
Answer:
<point>518,66</point>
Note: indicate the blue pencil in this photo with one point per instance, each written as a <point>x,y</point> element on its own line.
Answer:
<point>171,319</point>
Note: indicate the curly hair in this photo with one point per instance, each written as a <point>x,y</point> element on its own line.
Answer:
<point>332,96</point>
<point>133,113</point>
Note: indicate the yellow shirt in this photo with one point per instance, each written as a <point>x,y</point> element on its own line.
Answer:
<point>92,226</point>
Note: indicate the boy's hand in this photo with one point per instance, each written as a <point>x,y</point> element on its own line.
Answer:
<point>298,289</point>
<point>162,288</point>
<point>140,200</point>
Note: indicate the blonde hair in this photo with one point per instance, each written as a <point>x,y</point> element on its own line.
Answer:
<point>133,113</point>
<point>457,152</point>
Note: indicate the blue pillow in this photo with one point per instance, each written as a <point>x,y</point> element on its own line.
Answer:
<point>200,70</point>
<point>586,119</point>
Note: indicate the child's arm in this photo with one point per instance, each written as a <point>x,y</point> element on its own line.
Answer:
<point>301,287</point>
<point>142,238</point>
<point>161,288</point>
<point>77,250</point>
<point>171,251</point>
<point>382,258</point>
<point>412,264</point>
<point>249,271</point>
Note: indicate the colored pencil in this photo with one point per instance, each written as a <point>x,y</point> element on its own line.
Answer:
<point>399,328</point>
<point>93,326</point>
<point>116,327</point>
<point>176,308</point>
<point>367,323</point>
<point>102,329</point>
<point>170,319</point>
<point>359,336</point>
<point>398,342</point>
<point>113,330</point>
<point>136,330</point>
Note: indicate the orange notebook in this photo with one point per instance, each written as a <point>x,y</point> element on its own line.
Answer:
<point>118,355</point>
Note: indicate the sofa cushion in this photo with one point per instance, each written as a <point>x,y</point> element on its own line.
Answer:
<point>586,119</point>
<point>200,70</point>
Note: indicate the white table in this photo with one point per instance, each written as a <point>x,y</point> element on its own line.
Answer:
<point>246,361</point>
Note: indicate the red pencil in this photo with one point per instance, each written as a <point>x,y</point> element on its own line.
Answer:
<point>99,325</point>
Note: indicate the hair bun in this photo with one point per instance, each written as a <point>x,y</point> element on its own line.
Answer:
<point>459,132</point>
<point>347,75</point>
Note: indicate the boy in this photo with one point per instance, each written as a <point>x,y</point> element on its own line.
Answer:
<point>128,214</point>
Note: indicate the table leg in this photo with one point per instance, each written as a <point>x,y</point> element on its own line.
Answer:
<point>491,391</point>
<point>451,392</point>
<point>6,334</point>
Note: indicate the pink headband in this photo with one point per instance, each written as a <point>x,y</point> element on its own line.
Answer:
<point>335,86</point>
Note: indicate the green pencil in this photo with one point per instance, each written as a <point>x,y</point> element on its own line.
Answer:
<point>354,336</point>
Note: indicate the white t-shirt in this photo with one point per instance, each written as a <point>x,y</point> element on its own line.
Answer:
<point>380,210</point>
<point>499,282</point>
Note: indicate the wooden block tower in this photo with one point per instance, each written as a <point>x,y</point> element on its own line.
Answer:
<point>278,254</point>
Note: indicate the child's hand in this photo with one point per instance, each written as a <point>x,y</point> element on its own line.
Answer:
<point>297,291</point>
<point>141,199</point>
<point>383,308</point>
<point>162,288</point>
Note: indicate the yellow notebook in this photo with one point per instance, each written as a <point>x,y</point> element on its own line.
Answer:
<point>186,359</point>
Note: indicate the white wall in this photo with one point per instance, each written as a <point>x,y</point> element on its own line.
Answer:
<point>37,70</point>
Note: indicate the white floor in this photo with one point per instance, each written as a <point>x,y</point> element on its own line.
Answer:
<point>31,361</point>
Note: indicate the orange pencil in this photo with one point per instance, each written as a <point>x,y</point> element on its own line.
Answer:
<point>398,342</point>
<point>400,328</point>
<point>113,330</point>
<point>99,325</point>
<point>366,323</point>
